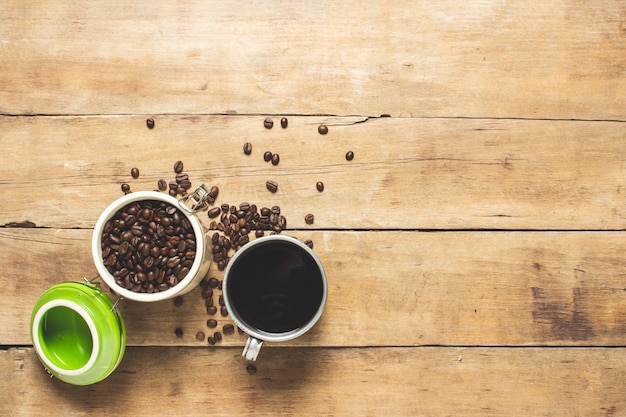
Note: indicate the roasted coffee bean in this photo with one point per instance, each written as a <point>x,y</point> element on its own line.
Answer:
<point>251,369</point>
<point>162,185</point>
<point>221,300</point>
<point>178,332</point>
<point>271,185</point>
<point>225,207</point>
<point>207,293</point>
<point>224,311</point>
<point>265,211</point>
<point>213,282</point>
<point>150,123</point>
<point>268,123</point>
<point>259,233</point>
<point>228,329</point>
<point>267,156</point>
<point>134,173</point>
<point>214,212</point>
<point>125,187</point>
<point>284,122</point>
<point>319,186</point>
<point>211,310</point>
<point>184,185</point>
<point>211,324</point>
<point>322,129</point>
<point>275,159</point>
<point>309,243</point>
<point>214,192</point>
<point>349,156</point>
<point>200,336</point>
<point>309,218</point>
<point>247,148</point>
<point>211,340</point>
<point>180,177</point>
<point>217,336</point>
<point>178,167</point>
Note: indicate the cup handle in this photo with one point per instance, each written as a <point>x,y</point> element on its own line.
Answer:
<point>252,348</point>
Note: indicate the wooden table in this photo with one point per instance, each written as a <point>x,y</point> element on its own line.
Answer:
<point>474,245</point>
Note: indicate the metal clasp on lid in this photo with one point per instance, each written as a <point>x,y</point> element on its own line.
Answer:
<point>196,200</point>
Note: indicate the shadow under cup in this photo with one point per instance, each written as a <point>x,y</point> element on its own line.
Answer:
<point>275,288</point>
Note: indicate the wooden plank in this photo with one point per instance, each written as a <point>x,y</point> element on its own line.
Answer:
<point>448,58</point>
<point>407,173</point>
<point>332,382</point>
<point>385,289</point>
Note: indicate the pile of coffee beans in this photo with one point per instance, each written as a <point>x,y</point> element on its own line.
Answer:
<point>236,223</point>
<point>148,246</point>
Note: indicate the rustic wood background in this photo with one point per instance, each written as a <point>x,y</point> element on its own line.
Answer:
<point>474,246</point>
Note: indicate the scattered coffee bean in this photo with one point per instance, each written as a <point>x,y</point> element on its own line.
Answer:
<point>211,340</point>
<point>178,332</point>
<point>178,167</point>
<point>213,282</point>
<point>224,311</point>
<point>228,329</point>
<point>214,212</point>
<point>322,129</point>
<point>211,310</point>
<point>284,122</point>
<point>162,185</point>
<point>239,330</point>
<point>275,159</point>
<point>267,156</point>
<point>271,185</point>
<point>200,336</point>
<point>125,187</point>
<point>309,218</point>
<point>349,156</point>
<point>268,123</point>
<point>247,148</point>
<point>320,186</point>
<point>207,293</point>
<point>134,173</point>
<point>251,369</point>
<point>150,123</point>
<point>178,301</point>
<point>309,243</point>
<point>217,336</point>
<point>211,323</point>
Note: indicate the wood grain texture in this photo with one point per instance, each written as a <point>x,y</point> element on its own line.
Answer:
<point>330,382</point>
<point>385,289</point>
<point>563,59</point>
<point>407,173</point>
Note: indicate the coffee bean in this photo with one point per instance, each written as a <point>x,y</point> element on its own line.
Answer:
<point>259,233</point>
<point>178,167</point>
<point>200,336</point>
<point>178,301</point>
<point>271,185</point>
<point>178,332</point>
<point>309,218</point>
<point>322,129</point>
<point>134,173</point>
<point>320,186</point>
<point>150,123</point>
<point>162,185</point>
<point>349,156</point>
<point>214,212</point>
<point>211,310</point>
<point>309,243</point>
<point>211,340</point>
<point>275,159</point>
<point>247,148</point>
<point>228,329</point>
<point>125,187</point>
<point>211,323</point>
<point>217,336</point>
<point>251,369</point>
<point>268,123</point>
<point>267,156</point>
<point>284,122</point>
<point>213,282</point>
<point>214,192</point>
<point>224,311</point>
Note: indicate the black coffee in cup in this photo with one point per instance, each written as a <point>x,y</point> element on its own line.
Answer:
<point>276,287</point>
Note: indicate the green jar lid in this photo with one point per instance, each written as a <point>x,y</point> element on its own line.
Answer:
<point>77,332</point>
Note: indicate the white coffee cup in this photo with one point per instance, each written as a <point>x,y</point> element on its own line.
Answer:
<point>275,290</point>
